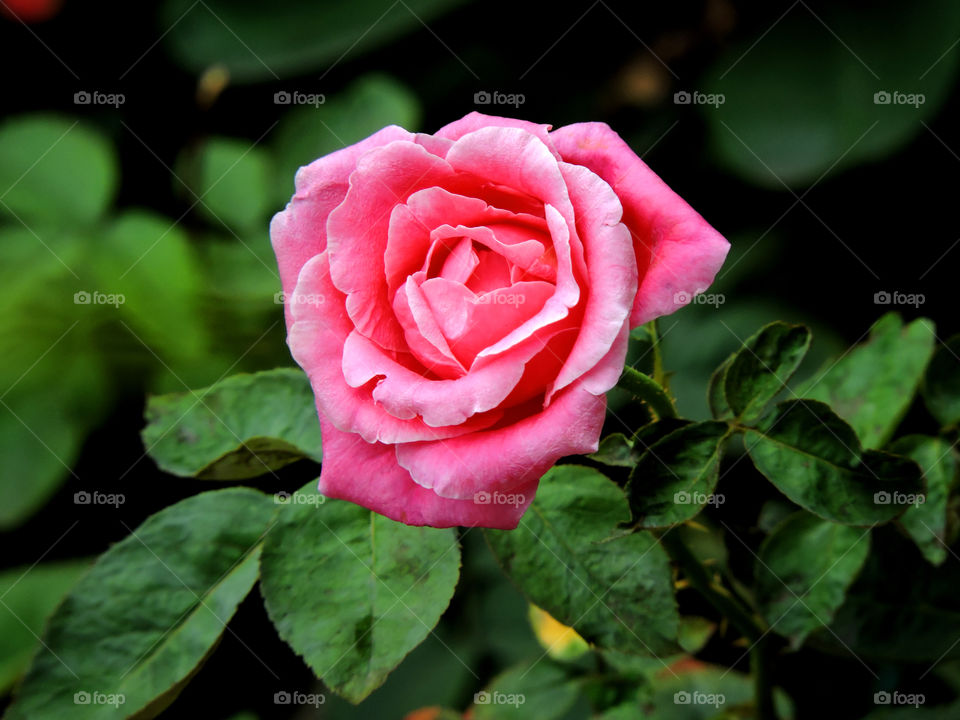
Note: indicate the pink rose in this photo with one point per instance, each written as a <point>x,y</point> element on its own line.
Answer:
<point>462,301</point>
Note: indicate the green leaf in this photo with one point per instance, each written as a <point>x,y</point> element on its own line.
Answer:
<point>695,632</point>
<point>353,592</point>
<point>306,133</point>
<point>234,183</point>
<point>716,398</point>
<point>803,571</point>
<point>570,558</point>
<point>926,522</point>
<point>941,386</point>
<point>615,450</point>
<point>55,170</point>
<point>815,459</point>
<point>44,420</point>
<point>899,608</point>
<point>28,595</point>
<point>149,610</point>
<point>146,262</point>
<point>790,116</point>
<point>535,691</point>
<point>708,692</point>
<point>675,478</point>
<point>242,427</point>
<point>292,38</point>
<point>762,367</point>
<point>872,385</point>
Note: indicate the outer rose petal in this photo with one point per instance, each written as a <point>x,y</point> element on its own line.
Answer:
<point>300,231</point>
<point>508,458</point>
<point>475,121</point>
<point>359,226</point>
<point>368,474</point>
<point>677,251</point>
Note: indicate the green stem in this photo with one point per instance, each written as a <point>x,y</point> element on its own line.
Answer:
<point>648,390</point>
<point>739,617</point>
<point>658,375</point>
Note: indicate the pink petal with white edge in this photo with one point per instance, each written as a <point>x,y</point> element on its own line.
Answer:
<point>476,121</point>
<point>368,475</point>
<point>357,232</point>
<point>508,458</point>
<point>611,271</point>
<point>300,231</point>
<point>316,341</point>
<point>447,405</point>
<point>678,252</point>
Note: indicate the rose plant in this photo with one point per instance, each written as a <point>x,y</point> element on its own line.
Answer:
<point>459,304</point>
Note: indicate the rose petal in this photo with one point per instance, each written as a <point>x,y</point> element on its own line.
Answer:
<point>317,339</point>
<point>369,475</point>
<point>476,121</point>
<point>507,458</point>
<point>357,232</point>
<point>611,271</point>
<point>678,253</point>
<point>300,231</point>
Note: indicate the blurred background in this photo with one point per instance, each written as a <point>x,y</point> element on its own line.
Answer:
<point>145,146</point>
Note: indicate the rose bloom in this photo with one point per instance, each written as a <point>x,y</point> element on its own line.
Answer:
<point>467,301</point>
